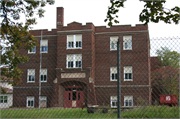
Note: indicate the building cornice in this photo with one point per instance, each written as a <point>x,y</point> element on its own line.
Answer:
<point>75,31</point>
<point>34,87</point>
<point>122,32</point>
<point>111,86</point>
<point>90,30</point>
<point>45,36</point>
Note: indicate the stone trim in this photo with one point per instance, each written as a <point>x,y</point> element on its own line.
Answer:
<point>123,32</point>
<point>73,75</point>
<point>35,87</point>
<point>75,31</point>
<point>46,36</point>
<point>112,86</point>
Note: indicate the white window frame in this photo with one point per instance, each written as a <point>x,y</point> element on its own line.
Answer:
<point>40,98</point>
<point>43,46</point>
<point>128,73</point>
<point>128,100</point>
<point>28,76</point>
<point>74,42</point>
<point>32,52</point>
<point>73,61</point>
<point>111,68</point>
<point>42,73</point>
<point>111,101</point>
<point>30,100</point>
<point>113,39</point>
<point>127,43</point>
<point>3,99</point>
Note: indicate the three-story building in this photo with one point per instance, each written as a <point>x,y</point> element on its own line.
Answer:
<point>79,64</point>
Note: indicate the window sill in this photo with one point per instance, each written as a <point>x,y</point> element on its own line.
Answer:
<point>31,52</point>
<point>128,80</point>
<point>113,80</point>
<point>127,49</point>
<point>43,81</point>
<point>31,82</point>
<point>113,49</point>
<point>72,48</point>
<point>74,68</point>
<point>43,52</point>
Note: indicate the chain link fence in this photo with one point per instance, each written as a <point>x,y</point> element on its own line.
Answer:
<point>76,76</point>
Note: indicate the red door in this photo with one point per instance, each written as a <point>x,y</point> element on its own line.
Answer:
<point>68,102</point>
<point>80,98</point>
<point>74,97</point>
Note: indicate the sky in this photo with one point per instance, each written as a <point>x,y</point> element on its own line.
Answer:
<point>95,11</point>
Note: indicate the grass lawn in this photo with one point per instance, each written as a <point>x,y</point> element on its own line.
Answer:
<point>143,112</point>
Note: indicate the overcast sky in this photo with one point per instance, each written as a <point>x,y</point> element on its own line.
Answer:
<point>95,11</point>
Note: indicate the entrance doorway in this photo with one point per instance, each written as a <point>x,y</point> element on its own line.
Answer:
<point>74,96</point>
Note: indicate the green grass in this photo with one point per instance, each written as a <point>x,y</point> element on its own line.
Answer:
<point>152,112</point>
<point>143,112</point>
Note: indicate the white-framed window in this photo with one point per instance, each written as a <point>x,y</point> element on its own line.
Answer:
<point>31,75</point>
<point>43,75</point>
<point>113,101</point>
<point>44,46</point>
<point>113,42</point>
<point>128,73</point>
<point>74,41</point>
<point>3,99</point>
<point>43,101</point>
<point>74,61</point>
<point>113,73</point>
<point>30,101</point>
<point>127,42</point>
<point>33,50</point>
<point>128,101</point>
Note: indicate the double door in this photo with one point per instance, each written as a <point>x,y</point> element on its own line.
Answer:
<point>74,97</point>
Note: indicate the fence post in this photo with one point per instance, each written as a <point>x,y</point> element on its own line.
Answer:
<point>119,78</point>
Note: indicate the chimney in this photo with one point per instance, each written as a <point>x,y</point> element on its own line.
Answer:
<point>60,16</point>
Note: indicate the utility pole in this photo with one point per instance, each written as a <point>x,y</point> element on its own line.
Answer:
<point>40,71</point>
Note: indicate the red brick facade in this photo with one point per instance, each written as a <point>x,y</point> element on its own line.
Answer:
<point>97,59</point>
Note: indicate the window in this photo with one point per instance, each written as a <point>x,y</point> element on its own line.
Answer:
<point>113,42</point>
<point>43,75</point>
<point>33,50</point>
<point>114,101</point>
<point>44,46</point>
<point>31,75</point>
<point>30,101</point>
<point>128,73</point>
<point>3,99</point>
<point>43,101</point>
<point>74,61</point>
<point>74,41</point>
<point>127,42</point>
<point>128,101</point>
<point>113,72</point>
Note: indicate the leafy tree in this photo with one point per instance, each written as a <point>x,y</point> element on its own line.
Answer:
<point>15,34</point>
<point>165,80</point>
<point>3,90</point>
<point>153,11</point>
<point>168,58</point>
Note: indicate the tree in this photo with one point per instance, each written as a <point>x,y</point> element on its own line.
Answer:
<point>15,34</point>
<point>153,11</point>
<point>168,58</point>
<point>165,80</point>
<point>3,90</point>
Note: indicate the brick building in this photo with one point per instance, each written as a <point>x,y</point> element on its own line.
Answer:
<point>79,65</point>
